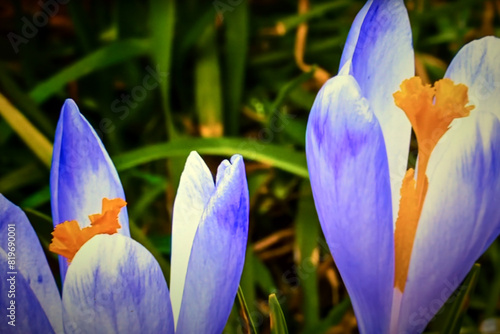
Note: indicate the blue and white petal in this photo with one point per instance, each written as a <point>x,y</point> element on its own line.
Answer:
<point>349,175</point>
<point>352,37</point>
<point>26,315</point>
<point>476,65</point>
<point>195,188</point>
<point>82,173</point>
<point>382,59</point>
<point>114,285</point>
<point>218,254</point>
<point>32,271</point>
<point>460,216</point>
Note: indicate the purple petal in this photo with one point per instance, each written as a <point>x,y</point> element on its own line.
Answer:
<point>121,292</point>
<point>460,216</point>
<point>218,253</point>
<point>25,315</point>
<point>352,37</point>
<point>382,59</point>
<point>82,173</point>
<point>35,284</point>
<point>349,175</point>
<point>476,65</point>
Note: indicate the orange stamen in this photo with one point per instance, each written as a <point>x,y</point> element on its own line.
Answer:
<point>68,237</point>
<point>430,111</point>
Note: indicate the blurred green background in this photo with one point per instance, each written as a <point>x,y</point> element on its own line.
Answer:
<point>159,78</point>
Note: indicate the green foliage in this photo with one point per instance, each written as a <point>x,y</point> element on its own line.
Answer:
<point>278,323</point>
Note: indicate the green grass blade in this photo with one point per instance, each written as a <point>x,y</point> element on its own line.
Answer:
<point>458,308</point>
<point>274,155</point>
<point>307,233</point>
<point>108,55</point>
<point>278,323</point>
<point>22,101</point>
<point>236,56</point>
<point>208,91</point>
<point>33,138</point>
<point>290,86</point>
<point>21,177</point>
<point>315,12</point>
<point>162,22</point>
<point>246,313</point>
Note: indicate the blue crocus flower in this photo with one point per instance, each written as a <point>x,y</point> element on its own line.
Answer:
<point>404,240</point>
<point>111,283</point>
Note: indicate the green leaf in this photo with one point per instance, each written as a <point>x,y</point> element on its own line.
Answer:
<point>278,323</point>
<point>494,280</point>
<point>36,199</point>
<point>456,311</point>
<point>333,318</point>
<point>245,312</point>
<point>263,277</point>
<point>307,232</point>
<point>106,56</point>
<point>275,155</point>
<point>290,86</point>
<point>316,11</point>
<point>21,177</point>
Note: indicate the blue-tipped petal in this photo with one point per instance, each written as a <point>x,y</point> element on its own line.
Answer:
<point>33,272</point>
<point>382,59</point>
<point>352,37</point>
<point>195,188</point>
<point>123,291</point>
<point>460,216</point>
<point>349,175</point>
<point>476,65</point>
<point>82,173</point>
<point>218,253</point>
<point>26,315</point>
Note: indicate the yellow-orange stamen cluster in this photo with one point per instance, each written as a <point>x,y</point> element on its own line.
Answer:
<point>68,237</point>
<point>430,111</point>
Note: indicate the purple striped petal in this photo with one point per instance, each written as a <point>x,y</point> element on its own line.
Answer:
<point>82,173</point>
<point>195,188</point>
<point>36,296</point>
<point>218,253</point>
<point>349,175</point>
<point>123,291</point>
<point>476,65</point>
<point>460,216</point>
<point>382,59</point>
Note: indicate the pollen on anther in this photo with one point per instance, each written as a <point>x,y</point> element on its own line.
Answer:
<point>68,237</point>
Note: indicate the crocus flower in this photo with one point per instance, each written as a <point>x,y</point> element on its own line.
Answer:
<point>111,283</point>
<point>404,240</point>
